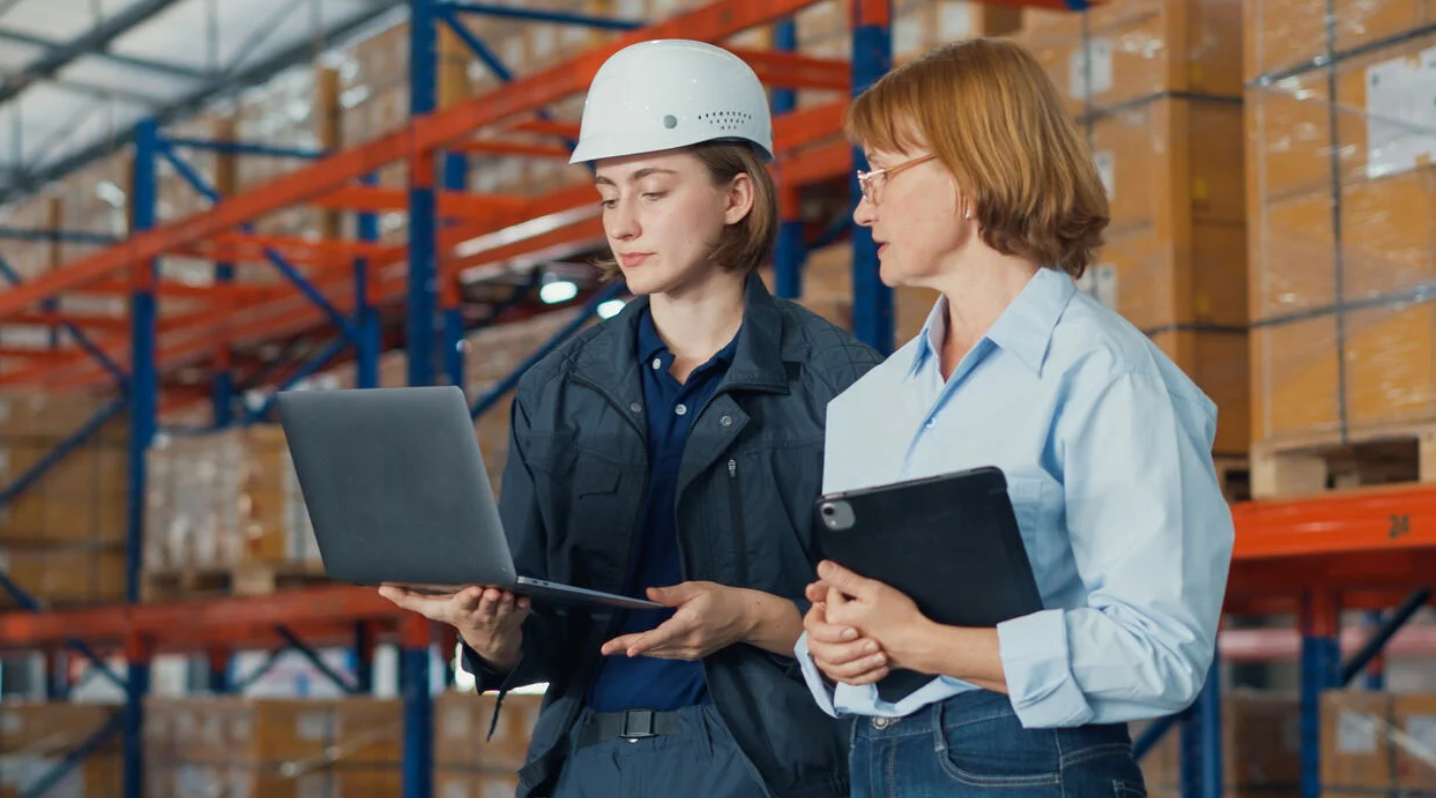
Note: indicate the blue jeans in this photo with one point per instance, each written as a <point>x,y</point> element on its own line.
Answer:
<point>973,745</point>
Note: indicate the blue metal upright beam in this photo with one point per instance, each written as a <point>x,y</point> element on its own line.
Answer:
<point>423,219</point>
<point>367,316</point>
<point>872,58</point>
<point>418,748</point>
<point>456,179</point>
<point>1201,743</point>
<point>144,411</point>
<point>1320,671</point>
<point>790,252</point>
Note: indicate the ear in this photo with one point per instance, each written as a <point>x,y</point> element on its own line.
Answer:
<point>739,202</point>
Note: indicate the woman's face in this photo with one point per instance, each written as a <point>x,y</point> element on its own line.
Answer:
<point>663,215</point>
<point>915,216</point>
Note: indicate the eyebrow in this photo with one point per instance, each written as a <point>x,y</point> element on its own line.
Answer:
<point>639,175</point>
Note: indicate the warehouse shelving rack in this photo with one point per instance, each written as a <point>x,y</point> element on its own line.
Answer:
<point>1312,557</point>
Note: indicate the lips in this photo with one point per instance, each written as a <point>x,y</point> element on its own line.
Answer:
<point>632,259</point>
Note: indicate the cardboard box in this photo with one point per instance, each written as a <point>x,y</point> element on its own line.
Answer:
<point>1284,35</point>
<point>1355,741</point>
<point>1134,49</point>
<point>1414,741</point>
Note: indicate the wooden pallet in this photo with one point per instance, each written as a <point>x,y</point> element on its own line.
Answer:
<point>1385,456</point>
<point>244,580</point>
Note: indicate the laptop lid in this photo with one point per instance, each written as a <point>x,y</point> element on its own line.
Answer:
<point>395,485</point>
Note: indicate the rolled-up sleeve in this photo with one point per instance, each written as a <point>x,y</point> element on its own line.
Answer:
<point>1151,537</point>
<point>821,692</point>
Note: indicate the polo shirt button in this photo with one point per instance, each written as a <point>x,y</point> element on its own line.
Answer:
<point>681,409</point>
<point>657,364</point>
<point>636,407</point>
<point>726,421</point>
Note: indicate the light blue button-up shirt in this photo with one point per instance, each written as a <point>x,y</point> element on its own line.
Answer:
<point>1106,446</point>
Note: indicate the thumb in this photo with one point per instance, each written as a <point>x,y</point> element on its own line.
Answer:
<point>672,596</point>
<point>848,582</point>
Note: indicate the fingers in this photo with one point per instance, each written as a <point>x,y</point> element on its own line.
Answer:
<point>848,582</point>
<point>676,594</point>
<point>845,653</point>
<point>862,668</point>
<point>816,592</point>
<point>823,632</point>
<point>871,677</point>
<point>619,644</point>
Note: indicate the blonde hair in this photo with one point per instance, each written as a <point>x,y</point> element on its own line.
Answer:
<point>993,117</point>
<point>743,247</point>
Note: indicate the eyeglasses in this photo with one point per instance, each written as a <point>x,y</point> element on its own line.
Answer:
<point>871,182</point>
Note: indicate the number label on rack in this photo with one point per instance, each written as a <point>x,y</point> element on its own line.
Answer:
<point>1400,525</point>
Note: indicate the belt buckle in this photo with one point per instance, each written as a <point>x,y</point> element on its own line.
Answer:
<point>637,724</point>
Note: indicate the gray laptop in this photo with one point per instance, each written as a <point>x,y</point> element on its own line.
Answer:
<point>396,489</point>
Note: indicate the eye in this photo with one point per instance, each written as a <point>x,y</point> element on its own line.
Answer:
<point>654,195</point>
<point>608,203</point>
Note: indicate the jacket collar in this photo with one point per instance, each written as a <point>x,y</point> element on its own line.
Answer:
<point>611,356</point>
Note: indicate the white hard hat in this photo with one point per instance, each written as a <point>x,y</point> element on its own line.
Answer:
<point>668,93</point>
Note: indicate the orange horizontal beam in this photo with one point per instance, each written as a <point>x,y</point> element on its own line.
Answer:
<point>571,238</point>
<point>544,127</point>
<point>212,293</point>
<point>108,323</point>
<point>1364,520</point>
<point>451,204</point>
<point>796,71</point>
<point>495,147</point>
<point>183,621</point>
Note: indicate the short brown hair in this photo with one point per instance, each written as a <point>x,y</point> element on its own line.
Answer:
<point>743,247</point>
<point>991,115</point>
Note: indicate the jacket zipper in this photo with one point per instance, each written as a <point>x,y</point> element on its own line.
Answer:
<point>736,504</point>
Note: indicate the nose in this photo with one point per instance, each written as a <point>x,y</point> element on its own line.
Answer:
<point>621,221</point>
<point>864,215</point>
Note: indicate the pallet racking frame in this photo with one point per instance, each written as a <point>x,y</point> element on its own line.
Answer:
<point>1312,557</point>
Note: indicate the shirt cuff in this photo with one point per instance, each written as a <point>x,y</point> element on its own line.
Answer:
<point>485,677</point>
<point>813,677</point>
<point>1036,663</point>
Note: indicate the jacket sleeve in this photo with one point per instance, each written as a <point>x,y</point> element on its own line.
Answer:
<point>524,527</point>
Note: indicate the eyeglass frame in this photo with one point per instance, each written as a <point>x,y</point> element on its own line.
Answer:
<point>865,179</point>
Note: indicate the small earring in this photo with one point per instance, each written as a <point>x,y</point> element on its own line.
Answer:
<point>967,214</point>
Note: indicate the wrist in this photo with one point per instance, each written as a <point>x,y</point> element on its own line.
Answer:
<point>502,658</point>
<point>921,647</point>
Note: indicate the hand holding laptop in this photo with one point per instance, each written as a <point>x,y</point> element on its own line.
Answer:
<point>489,619</point>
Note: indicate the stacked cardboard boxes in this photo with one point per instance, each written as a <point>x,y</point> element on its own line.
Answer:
<point>225,500</point>
<point>37,738</point>
<point>468,763</point>
<point>62,538</point>
<point>248,748</point>
<point>1156,86</point>
<point>828,292</point>
<point>1342,199</point>
<point>95,199</point>
<point>1377,744</point>
<point>1261,748</point>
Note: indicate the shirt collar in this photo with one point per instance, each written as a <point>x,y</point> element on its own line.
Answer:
<point>650,344</point>
<point>1024,329</point>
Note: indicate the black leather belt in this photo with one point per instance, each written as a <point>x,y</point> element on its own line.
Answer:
<point>633,724</point>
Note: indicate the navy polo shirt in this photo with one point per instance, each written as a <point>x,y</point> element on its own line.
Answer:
<point>670,407</point>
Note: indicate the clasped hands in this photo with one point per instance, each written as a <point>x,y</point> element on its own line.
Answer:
<point>860,629</point>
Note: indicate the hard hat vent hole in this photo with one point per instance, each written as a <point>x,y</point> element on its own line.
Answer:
<point>670,121</point>
<point>727,120</point>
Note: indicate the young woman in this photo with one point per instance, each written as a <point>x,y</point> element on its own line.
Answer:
<point>672,452</point>
<point>983,190</point>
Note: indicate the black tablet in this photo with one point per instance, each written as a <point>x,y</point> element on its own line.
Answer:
<point>950,543</point>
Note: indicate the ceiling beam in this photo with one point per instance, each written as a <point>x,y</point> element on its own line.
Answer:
<point>96,41</point>
<point>256,75</point>
<point>50,45</point>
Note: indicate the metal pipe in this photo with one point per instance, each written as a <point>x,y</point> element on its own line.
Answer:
<point>60,236</point>
<point>245,148</point>
<point>507,384</point>
<point>314,659</point>
<point>1383,634</point>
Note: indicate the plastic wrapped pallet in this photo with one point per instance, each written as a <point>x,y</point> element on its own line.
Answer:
<point>309,748</point>
<point>1342,196</point>
<point>225,500</point>
<point>1156,87</point>
<point>36,738</point>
